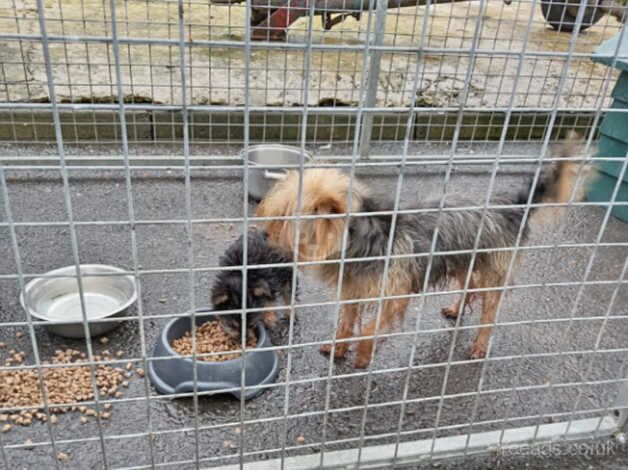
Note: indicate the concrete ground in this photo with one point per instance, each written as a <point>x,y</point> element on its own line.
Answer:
<point>520,389</point>
<point>84,70</point>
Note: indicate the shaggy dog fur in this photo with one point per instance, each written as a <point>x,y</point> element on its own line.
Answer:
<point>264,285</point>
<point>324,193</point>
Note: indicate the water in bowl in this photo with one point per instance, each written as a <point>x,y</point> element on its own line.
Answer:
<point>67,307</point>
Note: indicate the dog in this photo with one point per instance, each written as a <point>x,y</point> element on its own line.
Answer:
<point>264,285</point>
<point>324,193</point>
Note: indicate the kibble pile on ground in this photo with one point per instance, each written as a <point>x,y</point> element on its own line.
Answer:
<point>212,338</point>
<point>65,385</point>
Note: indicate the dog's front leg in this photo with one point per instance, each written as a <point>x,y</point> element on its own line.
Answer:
<point>287,301</point>
<point>489,308</point>
<point>461,304</point>
<point>348,317</point>
<point>270,319</point>
<point>391,309</point>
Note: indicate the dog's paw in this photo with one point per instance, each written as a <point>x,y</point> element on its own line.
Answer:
<point>339,352</point>
<point>361,362</point>
<point>477,350</point>
<point>283,325</point>
<point>450,312</point>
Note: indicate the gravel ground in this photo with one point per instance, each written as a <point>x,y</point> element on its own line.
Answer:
<point>519,387</point>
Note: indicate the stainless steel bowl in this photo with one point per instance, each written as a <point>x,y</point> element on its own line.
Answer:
<point>56,300</point>
<point>262,179</point>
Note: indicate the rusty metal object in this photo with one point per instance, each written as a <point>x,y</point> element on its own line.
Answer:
<point>275,22</point>
<point>337,6</point>
<point>270,19</point>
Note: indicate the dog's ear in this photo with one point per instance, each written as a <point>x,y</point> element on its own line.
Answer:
<point>277,203</point>
<point>262,289</point>
<point>328,237</point>
<point>321,237</point>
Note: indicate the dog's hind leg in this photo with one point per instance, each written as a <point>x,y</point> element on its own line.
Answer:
<point>391,310</point>
<point>460,305</point>
<point>490,301</point>
<point>348,316</point>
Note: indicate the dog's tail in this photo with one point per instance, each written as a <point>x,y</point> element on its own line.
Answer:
<point>559,180</point>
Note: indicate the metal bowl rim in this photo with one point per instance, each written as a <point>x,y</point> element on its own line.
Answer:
<point>123,307</point>
<point>251,148</point>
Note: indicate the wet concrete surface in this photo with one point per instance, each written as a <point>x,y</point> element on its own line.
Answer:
<point>518,390</point>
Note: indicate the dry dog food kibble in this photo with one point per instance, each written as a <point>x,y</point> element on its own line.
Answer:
<point>212,338</point>
<point>70,383</point>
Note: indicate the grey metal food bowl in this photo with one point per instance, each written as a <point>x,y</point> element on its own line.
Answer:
<point>174,374</point>
<point>262,179</point>
<point>57,301</point>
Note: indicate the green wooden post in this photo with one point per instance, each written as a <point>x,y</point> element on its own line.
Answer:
<point>613,130</point>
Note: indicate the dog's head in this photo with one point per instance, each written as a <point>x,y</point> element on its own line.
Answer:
<point>324,194</point>
<point>227,295</point>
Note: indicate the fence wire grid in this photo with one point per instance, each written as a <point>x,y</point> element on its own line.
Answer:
<point>122,130</point>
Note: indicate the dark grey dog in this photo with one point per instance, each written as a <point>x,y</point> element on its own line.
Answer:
<point>264,286</point>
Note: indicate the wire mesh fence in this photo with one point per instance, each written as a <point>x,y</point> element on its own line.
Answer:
<point>123,126</point>
<point>513,61</point>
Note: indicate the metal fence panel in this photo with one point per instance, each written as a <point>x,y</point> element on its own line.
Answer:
<point>122,128</point>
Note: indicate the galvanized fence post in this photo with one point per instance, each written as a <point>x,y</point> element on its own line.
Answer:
<point>375,62</point>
